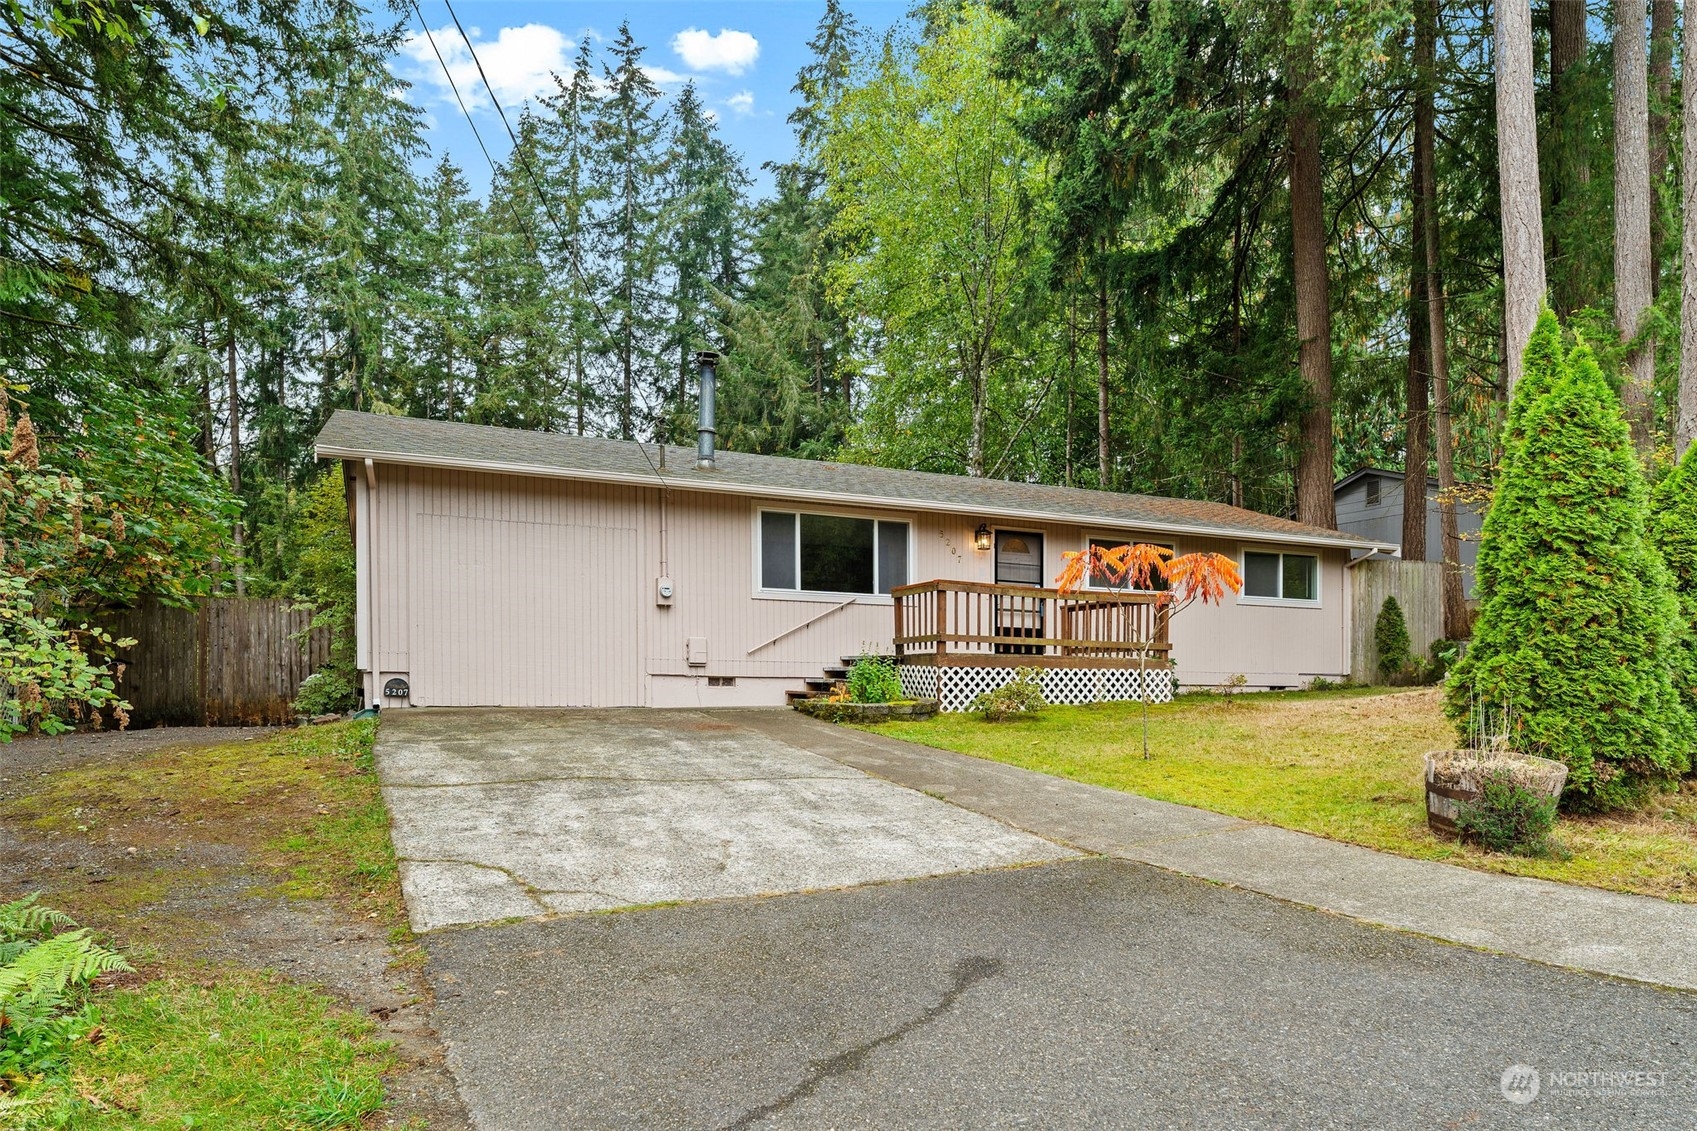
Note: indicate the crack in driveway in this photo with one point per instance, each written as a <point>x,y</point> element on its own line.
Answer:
<point>967,973</point>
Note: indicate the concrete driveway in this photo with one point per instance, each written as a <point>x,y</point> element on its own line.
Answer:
<point>517,814</point>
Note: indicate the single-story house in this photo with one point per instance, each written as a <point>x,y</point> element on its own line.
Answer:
<point>511,568</point>
<point>1369,503</point>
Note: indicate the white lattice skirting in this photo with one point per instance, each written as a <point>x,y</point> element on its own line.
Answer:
<point>954,687</point>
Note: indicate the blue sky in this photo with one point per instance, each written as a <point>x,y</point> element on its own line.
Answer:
<point>742,56</point>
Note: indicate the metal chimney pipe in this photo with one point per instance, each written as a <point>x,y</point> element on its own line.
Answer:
<point>705,433</point>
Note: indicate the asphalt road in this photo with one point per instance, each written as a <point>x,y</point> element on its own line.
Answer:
<point>1093,993</point>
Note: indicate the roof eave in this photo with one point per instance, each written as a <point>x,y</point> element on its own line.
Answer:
<point>734,487</point>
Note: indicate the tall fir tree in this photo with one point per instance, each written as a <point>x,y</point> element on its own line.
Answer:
<point>568,146</point>
<point>702,215</point>
<point>629,165</point>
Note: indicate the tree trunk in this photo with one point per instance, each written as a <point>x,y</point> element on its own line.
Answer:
<point>1517,161</point>
<point>1103,461</point>
<point>1417,419</point>
<point>208,441</point>
<point>1661,104</point>
<point>1456,617</point>
<point>1685,413</point>
<point>235,448</point>
<point>1314,472</point>
<point>975,438</point>
<point>1072,380</point>
<point>1570,160</point>
<point>1632,215</point>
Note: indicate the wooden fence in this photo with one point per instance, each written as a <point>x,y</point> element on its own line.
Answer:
<point>1417,586</point>
<point>219,662</point>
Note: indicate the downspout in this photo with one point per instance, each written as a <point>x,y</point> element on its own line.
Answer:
<point>373,653</point>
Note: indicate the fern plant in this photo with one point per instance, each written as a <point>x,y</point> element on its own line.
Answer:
<point>42,965</point>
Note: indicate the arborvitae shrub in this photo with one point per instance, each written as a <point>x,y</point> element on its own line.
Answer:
<point>1673,530</point>
<point>1577,615</point>
<point>1390,637</point>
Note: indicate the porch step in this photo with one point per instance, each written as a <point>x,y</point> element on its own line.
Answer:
<point>826,683</point>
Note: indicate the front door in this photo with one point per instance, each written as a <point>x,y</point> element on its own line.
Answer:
<point>1019,561</point>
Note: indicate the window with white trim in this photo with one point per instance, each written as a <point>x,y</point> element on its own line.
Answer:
<point>1281,577</point>
<point>831,553</point>
<point>1099,579</point>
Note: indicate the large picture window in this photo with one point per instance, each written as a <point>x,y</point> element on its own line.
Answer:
<point>1099,578</point>
<point>831,553</point>
<point>1281,577</point>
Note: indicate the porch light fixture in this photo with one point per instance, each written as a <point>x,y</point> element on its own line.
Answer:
<point>981,537</point>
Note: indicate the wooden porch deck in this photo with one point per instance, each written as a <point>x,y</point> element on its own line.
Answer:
<point>974,624</point>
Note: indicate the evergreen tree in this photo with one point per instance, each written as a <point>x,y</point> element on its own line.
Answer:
<point>788,379</point>
<point>568,147</point>
<point>441,339</point>
<point>1578,613</point>
<point>521,352</point>
<point>1673,531</point>
<point>701,217</point>
<point>624,235</point>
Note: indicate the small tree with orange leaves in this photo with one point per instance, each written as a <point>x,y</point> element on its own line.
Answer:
<point>1204,576</point>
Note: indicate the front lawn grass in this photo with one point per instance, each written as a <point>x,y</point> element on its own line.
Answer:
<point>236,1049</point>
<point>180,842</point>
<point>1345,765</point>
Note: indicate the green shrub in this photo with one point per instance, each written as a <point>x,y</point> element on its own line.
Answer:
<point>1390,637</point>
<point>873,679</point>
<point>328,691</point>
<point>41,969</point>
<point>323,577</point>
<point>1578,615</point>
<point>1508,817</point>
<point>1019,697</point>
<point>1673,530</point>
<point>1442,655</point>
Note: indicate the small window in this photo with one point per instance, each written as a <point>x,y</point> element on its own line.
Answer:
<point>1373,490</point>
<point>1281,577</point>
<point>1100,580</point>
<point>831,553</point>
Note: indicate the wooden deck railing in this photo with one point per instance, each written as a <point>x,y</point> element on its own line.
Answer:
<point>967,621</point>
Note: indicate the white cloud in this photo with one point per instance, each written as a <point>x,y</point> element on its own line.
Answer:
<point>520,63</point>
<point>730,51</point>
<point>742,102</point>
<point>660,76</point>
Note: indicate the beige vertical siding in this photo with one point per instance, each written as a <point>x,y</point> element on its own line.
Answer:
<point>495,589</point>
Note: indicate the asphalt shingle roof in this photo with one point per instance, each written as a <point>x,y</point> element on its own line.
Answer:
<point>407,440</point>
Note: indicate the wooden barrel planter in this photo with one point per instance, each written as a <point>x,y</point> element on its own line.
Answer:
<point>1454,777</point>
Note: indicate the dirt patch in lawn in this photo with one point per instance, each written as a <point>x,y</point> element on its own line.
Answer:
<point>197,852</point>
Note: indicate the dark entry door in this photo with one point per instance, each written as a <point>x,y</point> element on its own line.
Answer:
<point>1019,561</point>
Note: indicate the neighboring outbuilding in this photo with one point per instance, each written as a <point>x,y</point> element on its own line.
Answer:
<point>511,568</point>
<point>1370,505</point>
